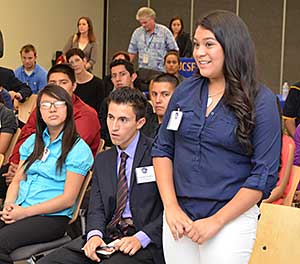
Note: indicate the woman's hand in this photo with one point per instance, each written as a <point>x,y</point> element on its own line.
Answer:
<point>177,220</point>
<point>204,229</point>
<point>13,213</point>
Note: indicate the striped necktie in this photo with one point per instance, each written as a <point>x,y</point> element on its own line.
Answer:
<point>122,192</point>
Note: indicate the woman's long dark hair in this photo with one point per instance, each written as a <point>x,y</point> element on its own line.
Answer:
<point>239,69</point>
<point>70,135</point>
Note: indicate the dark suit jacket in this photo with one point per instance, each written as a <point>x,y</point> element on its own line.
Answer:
<point>145,203</point>
<point>11,83</point>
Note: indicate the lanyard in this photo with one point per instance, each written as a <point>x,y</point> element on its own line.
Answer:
<point>150,40</point>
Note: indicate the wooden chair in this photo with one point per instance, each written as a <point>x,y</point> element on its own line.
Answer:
<point>288,200</point>
<point>30,252</point>
<point>25,109</point>
<point>277,239</point>
<point>11,145</point>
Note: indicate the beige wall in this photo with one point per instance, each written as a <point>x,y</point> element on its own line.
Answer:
<point>47,25</point>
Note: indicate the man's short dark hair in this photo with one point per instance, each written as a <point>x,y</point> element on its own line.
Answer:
<point>63,68</point>
<point>73,52</point>
<point>167,77</point>
<point>127,64</point>
<point>132,97</point>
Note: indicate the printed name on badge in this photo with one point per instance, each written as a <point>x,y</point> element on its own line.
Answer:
<point>145,174</point>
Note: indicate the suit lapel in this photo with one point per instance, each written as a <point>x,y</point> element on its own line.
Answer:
<point>112,168</point>
<point>138,157</point>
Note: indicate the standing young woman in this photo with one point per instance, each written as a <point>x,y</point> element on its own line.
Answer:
<point>225,122</point>
<point>85,40</point>
<point>54,160</point>
<point>182,38</point>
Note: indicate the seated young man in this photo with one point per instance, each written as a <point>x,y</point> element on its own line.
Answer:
<point>161,89</point>
<point>122,75</point>
<point>125,202</point>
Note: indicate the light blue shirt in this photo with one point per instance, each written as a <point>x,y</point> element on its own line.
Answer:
<point>152,48</point>
<point>130,151</point>
<point>43,182</point>
<point>37,80</point>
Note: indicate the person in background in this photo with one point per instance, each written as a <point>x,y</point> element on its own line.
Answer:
<point>123,75</point>
<point>150,41</point>
<point>182,38</point>
<point>34,75</point>
<point>108,85</point>
<point>172,64</point>
<point>85,40</point>
<point>89,87</point>
<point>86,119</point>
<point>291,109</point>
<point>215,156</point>
<point>122,205</point>
<point>54,161</point>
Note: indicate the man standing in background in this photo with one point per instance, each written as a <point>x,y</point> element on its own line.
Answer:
<point>30,72</point>
<point>150,41</point>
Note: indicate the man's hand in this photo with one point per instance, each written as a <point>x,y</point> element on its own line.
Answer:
<point>128,245</point>
<point>10,173</point>
<point>90,247</point>
<point>18,96</point>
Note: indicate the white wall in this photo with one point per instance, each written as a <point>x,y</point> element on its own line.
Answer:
<point>47,24</point>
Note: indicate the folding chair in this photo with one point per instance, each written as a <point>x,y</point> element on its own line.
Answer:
<point>11,145</point>
<point>277,239</point>
<point>34,251</point>
<point>25,109</point>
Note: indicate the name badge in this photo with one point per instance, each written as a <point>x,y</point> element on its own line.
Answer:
<point>45,154</point>
<point>145,58</point>
<point>145,174</point>
<point>174,120</point>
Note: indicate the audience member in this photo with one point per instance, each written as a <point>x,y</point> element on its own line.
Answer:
<point>85,40</point>
<point>89,88</point>
<point>182,38</point>
<point>122,75</point>
<point>10,82</point>
<point>109,86</point>
<point>126,206</point>
<point>150,41</point>
<point>291,109</point>
<point>215,156</point>
<point>40,200</point>
<point>8,126</point>
<point>172,64</point>
<point>86,121</point>
<point>162,88</point>
<point>30,72</point>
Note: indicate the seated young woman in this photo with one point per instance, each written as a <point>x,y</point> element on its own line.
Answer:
<point>54,161</point>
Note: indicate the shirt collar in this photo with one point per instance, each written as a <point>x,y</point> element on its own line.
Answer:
<point>46,137</point>
<point>130,150</point>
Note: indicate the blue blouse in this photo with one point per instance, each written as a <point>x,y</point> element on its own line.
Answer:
<point>209,164</point>
<point>43,182</point>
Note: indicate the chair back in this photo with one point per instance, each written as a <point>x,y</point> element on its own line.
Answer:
<point>12,144</point>
<point>1,159</point>
<point>80,197</point>
<point>295,178</point>
<point>277,238</point>
<point>25,109</point>
<point>101,146</point>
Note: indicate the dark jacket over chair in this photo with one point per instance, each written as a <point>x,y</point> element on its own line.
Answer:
<point>11,83</point>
